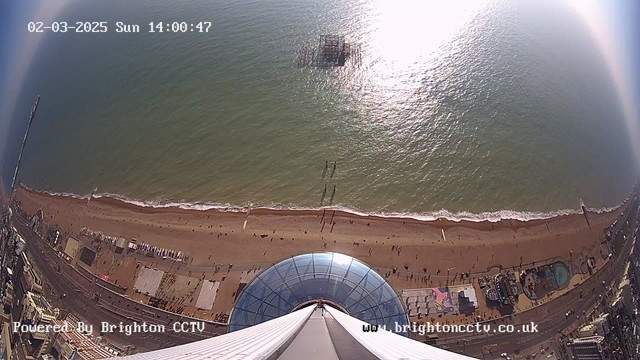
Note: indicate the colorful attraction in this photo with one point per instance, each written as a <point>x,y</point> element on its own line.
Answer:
<point>540,281</point>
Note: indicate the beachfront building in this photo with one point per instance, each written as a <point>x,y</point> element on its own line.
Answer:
<point>37,311</point>
<point>340,280</point>
<point>30,279</point>
<point>502,289</point>
<point>5,342</point>
<point>587,348</point>
<point>70,343</point>
<point>324,306</point>
<point>454,299</point>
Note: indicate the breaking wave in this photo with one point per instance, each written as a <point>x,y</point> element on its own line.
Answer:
<point>493,216</point>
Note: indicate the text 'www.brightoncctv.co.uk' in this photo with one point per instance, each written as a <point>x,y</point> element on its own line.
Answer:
<point>435,328</point>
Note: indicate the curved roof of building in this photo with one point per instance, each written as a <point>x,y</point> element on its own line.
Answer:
<point>308,333</point>
<point>333,277</point>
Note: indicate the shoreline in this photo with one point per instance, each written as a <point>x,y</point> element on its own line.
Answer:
<point>418,249</point>
<point>443,217</point>
<point>271,235</point>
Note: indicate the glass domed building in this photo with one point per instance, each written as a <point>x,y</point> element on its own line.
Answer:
<point>337,279</point>
<point>312,306</point>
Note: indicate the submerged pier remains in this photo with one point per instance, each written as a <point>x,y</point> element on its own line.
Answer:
<point>24,142</point>
<point>331,51</point>
<point>324,173</point>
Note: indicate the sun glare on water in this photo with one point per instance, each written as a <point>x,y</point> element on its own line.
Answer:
<point>401,41</point>
<point>409,26</point>
<point>408,32</point>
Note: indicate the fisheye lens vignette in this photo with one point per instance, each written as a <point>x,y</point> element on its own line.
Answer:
<point>321,180</point>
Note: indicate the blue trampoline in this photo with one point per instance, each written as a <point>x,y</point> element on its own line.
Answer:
<point>562,274</point>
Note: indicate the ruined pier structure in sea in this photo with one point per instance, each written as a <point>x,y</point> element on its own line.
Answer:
<point>331,51</point>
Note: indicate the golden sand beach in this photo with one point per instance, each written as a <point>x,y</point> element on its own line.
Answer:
<point>218,237</point>
<point>417,249</point>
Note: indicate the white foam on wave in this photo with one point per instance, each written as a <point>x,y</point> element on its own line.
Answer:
<point>493,216</point>
<point>200,206</point>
